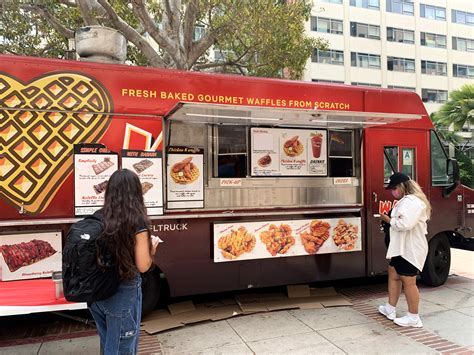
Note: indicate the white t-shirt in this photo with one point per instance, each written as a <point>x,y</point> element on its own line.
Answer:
<point>408,231</point>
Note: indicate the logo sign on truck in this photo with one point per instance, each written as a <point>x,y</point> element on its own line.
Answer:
<point>37,145</point>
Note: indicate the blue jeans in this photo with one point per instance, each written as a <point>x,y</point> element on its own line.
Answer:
<point>118,318</point>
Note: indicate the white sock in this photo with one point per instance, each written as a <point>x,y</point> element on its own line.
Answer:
<point>390,308</point>
<point>413,316</point>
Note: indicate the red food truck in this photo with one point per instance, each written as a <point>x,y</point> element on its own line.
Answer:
<point>249,182</point>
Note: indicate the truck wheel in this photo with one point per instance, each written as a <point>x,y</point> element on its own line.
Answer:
<point>436,269</point>
<point>151,289</point>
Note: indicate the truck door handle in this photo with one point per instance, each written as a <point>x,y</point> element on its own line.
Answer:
<point>375,197</point>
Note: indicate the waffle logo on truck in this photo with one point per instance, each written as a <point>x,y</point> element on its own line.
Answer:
<point>41,121</point>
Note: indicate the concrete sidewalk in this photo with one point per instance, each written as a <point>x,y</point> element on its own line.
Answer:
<point>447,313</point>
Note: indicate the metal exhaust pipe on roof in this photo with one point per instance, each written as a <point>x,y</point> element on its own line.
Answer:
<point>101,44</point>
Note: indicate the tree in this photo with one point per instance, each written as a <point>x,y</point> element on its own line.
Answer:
<point>253,37</point>
<point>466,168</point>
<point>456,114</point>
<point>459,109</point>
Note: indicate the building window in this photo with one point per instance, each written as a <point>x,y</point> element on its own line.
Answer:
<point>365,30</point>
<point>463,71</point>
<point>463,44</point>
<point>222,55</point>
<point>198,32</point>
<point>364,60</point>
<point>328,57</point>
<point>365,84</point>
<point>404,7</point>
<point>334,1</point>
<point>433,40</point>
<point>366,4</point>
<point>433,68</point>
<point>409,88</point>
<point>400,35</point>
<point>326,25</point>
<point>401,64</point>
<point>327,81</point>
<point>433,95</point>
<point>433,12</point>
<point>466,18</point>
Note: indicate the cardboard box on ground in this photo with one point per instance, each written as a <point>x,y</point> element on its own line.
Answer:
<point>299,297</point>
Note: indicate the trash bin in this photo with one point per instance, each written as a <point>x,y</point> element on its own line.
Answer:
<point>58,283</point>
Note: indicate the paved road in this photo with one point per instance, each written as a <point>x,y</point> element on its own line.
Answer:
<point>447,313</point>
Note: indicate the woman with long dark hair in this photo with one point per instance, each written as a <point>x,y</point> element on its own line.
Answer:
<point>127,235</point>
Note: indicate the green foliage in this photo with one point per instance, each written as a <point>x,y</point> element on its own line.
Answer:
<point>447,136</point>
<point>456,113</point>
<point>27,33</point>
<point>269,36</point>
<point>466,168</point>
<point>259,37</point>
<point>459,109</point>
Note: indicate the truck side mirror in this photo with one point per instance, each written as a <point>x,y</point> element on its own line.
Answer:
<point>452,168</point>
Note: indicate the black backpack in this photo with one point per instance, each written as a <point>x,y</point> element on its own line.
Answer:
<point>85,279</point>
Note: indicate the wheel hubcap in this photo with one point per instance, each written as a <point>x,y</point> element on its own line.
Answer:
<point>440,260</point>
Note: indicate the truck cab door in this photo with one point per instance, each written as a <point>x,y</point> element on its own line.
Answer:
<point>386,151</point>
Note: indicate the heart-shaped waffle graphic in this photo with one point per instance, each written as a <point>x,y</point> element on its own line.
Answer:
<point>40,121</point>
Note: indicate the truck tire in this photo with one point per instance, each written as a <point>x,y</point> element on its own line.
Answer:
<point>151,290</point>
<point>438,262</point>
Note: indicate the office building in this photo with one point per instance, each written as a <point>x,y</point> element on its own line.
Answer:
<point>422,45</point>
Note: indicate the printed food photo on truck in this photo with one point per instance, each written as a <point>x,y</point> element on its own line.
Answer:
<point>241,176</point>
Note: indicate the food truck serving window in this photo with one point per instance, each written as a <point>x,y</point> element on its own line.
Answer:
<point>242,151</point>
<point>341,153</point>
<point>231,151</point>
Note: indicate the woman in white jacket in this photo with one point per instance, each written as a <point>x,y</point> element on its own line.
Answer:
<point>408,247</point>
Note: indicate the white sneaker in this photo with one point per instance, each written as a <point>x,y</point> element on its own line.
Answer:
<point>390,315</point>
<point>408,321</point>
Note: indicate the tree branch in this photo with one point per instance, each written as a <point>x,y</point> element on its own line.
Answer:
<point>172,16</point>
<point>133,36</point>
<point>149,24</point>
<point>69,3</point>
<point>199,47</point>
<point>86,13</point>
<point>191,16</point>
<point>54,22</point>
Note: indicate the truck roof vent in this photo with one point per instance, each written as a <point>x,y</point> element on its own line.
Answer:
<point>101,44</point>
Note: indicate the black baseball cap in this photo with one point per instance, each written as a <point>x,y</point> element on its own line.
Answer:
<point>396,179</point>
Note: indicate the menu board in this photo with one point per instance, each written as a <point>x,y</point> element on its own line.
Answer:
<point>184,173</point>
<point>264,239</point>
<point>148,166</point>
<point>93,166</point>
<point>288,152</point>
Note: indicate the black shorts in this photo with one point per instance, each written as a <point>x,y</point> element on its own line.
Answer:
<point>403,267</point>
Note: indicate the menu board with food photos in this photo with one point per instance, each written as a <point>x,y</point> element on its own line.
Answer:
<point>148,166</point>
<point>93,166</point>
<point>271,239</point>
<point>288,152</point>
<point>184,173</point>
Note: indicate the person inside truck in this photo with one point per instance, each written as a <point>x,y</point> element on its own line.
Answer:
<point>407,249</point>
<point>127,232</point>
